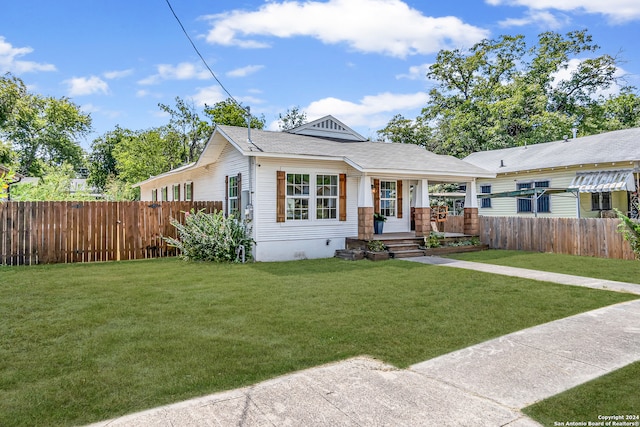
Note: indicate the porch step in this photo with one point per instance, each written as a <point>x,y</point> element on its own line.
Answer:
<point>398,247</point>
<point>406,253</point>
<point>350,254</point>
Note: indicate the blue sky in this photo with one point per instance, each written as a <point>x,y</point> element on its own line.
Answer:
<point>361,60</point>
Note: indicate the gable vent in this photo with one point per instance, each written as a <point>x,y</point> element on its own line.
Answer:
<point>328,124</point>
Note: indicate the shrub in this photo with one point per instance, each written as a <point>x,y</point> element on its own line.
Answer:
<point>376,246</point>
<point>211,237</point>
<point>630,229</point>
<point>432,240</point>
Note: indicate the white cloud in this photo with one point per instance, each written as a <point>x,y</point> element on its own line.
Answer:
<point>542,19</point>
<point>182,71</point>
<point>618,11</point>
<point>416,72</point>
<point>79,86</point>
<point>9,61</point>
<point>208,95</point>
<point>373,111</point>
<point>388,27</point>
<point>111,75</point>
<point>245,71</point>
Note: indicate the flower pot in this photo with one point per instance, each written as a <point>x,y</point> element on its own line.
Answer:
<point>378,226</point>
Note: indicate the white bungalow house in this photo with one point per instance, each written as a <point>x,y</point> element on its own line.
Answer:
<point>307,189</point>
<point>580,177</point>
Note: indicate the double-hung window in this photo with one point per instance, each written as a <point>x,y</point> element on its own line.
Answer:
<point>234,206</point>
<point>326,196</point>
<point>188,191</point>
<point>165,194</point>
<point>388,198</point>
<point>176,192</point>
<point>485,201</point>
<point>297,196</point>
<point>601,201</point>
<point>154,195</point>
<point>525,204</point>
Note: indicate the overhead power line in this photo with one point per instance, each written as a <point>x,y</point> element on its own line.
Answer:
<point>200,55</point>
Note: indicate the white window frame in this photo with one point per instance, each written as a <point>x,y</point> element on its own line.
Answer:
<point>174,188</point>
<point>322,198</point>
<point>298,200</point>
<point>232,198</point>
<point>485,202</point>
<point>188,191</point>
<point>388,198</point>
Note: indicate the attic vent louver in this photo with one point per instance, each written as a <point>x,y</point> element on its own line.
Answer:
<point>328,124</point>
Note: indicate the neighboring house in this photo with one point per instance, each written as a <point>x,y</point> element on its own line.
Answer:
<point>307,189</point>
<point>580,178</point>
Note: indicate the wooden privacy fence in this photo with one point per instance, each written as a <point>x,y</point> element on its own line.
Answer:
<point>596,237</point>
<point>64,232</point>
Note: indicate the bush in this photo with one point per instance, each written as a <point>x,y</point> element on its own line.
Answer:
<point>211,237</point>
<point>630,229</point>
<point>432,240</point>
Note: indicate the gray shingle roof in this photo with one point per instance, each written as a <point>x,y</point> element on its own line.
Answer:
<point>365,156</point>
<point>609,147</point>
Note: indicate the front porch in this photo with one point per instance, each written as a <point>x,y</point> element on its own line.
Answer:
<point>409,244</point>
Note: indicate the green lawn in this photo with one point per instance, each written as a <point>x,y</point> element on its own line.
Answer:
<point>613,394</point>
<point>85,342</point>
<point>599,268</point>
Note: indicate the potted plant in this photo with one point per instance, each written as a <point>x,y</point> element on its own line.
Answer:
<point>378,222</point>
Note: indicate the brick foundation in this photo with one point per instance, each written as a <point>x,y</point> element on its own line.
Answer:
<point>471,222</point>
<point>365,223</point>
<point>423,221</point>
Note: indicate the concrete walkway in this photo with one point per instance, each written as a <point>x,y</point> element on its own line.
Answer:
<point>564,279</point>
<point>483,385</point>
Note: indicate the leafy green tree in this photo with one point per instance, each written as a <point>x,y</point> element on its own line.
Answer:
<point>228,112</point>
<point>46,130</point>
<point>54,185</point>
<point>401,129</point>
<point>293,118</point>
<point>143,154</point>
<point>11,90</point>
<point>503,93</point>
<point>192,130</point>
<point>102,163</point>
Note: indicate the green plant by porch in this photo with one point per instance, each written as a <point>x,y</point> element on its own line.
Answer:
<point>211,237</point>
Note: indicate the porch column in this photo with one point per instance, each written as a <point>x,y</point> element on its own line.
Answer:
<point>422,209</point>
<point>471,221</point>
<point>365,209</point>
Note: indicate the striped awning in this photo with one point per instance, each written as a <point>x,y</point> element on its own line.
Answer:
<point>604,181</point>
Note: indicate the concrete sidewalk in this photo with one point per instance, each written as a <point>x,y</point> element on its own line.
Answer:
<point>563,279</point>
<point>483,385</point>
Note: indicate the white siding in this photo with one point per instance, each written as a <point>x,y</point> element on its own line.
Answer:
<point>311,238</point>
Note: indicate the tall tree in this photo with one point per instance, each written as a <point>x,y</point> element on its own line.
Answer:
<point>11,90</point>
<point>102,162</point>
<point>228,112</point>
<point>502,93</point>
<point>46,130</point>
<point>293,118</point>
<point>192,130</point>
<point>143,154</point>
